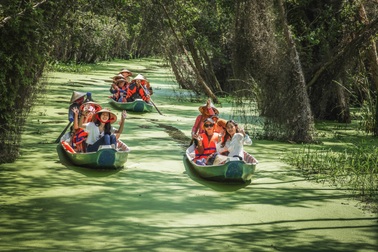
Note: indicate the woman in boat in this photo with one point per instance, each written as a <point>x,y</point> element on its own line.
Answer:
<point>77,99</point>
<point>100,131</point>
<point>113,87</point>
<point>136,90</point>
<point>119,90</point>
<point>233,141</point>
<point>205,142</point>
<point>126,75</point>
<point>220,124</point>
<point>207,110</point>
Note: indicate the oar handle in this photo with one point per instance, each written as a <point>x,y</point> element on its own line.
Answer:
<point>151,100</point>
<point>61,134</point>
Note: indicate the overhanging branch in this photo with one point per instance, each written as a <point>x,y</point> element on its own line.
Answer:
<point>6,19</point>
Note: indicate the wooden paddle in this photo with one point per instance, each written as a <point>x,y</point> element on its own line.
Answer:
<point>63,132</point>
<point>148,93</point>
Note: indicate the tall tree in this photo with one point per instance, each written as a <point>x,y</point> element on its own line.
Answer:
<point>25,37</point>
<point>265,52</point>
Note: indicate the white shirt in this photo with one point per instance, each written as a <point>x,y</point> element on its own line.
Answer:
<point>235,145</point>
<point>94,132</point>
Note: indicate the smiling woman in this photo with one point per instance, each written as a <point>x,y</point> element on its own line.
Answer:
<point>233,141</point>
<point>205,142</point>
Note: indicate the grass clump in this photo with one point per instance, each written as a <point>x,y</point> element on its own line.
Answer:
<point>70,67</point>
<point>355,168</point>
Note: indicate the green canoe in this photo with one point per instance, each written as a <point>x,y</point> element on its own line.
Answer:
<point>105,158</point>
<point>236,171</point>
<point>136,106</point>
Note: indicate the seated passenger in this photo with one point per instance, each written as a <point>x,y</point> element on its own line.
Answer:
<point>126,75</point>
<point>220,124</point>
<point>100,131</point>
<point>120,90</point>
<point>136,91</point>
<point>233,141</point>
<point>205,142</point>
<point>88,109</point>
<point>207,110</point>
<point>79,136</point>
<point>77,99</point>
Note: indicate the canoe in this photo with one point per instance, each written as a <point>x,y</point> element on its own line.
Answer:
<point>105,158</point>
<point>235,170</point>
<point>136,106</point>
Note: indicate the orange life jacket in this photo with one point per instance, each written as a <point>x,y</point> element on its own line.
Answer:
<point>208,145</point>
<point>68,147</point>
<point>134,89</point>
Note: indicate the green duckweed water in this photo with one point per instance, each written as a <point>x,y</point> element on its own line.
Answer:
<point>156,203</point>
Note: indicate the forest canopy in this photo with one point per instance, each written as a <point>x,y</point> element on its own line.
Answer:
<point>297,61</point>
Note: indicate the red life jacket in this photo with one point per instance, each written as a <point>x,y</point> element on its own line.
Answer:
<point>80,136</point>
<point>208,145</point>
<point>134,89</point>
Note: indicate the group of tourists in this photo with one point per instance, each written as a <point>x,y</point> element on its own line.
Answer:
<point>92,126</point>
<point>216,140</point>
<point>126,89</point>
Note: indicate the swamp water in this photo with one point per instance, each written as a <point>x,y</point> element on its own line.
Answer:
<point>156,203</point>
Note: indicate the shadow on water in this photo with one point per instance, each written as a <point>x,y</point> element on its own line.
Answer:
<point>177,135</point>
<point>83,170</point>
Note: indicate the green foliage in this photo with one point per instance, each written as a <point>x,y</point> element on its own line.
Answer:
<point>367,116</point>
<point>70,67</point>
<point>25,44</point>
<point>355,168</point>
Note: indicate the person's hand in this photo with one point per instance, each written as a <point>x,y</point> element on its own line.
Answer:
<point>198,138</point>
<point>241,130</point>
<point>124,115</point>
<point>75,110</point>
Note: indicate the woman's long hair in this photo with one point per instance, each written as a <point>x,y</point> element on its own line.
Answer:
<point>227,135</point>
<point>107,127</point>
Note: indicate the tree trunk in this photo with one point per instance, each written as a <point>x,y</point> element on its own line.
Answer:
<point>373,66</point>
<point>303,125</point>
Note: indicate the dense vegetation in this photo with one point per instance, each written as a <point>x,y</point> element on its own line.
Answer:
<point>299,61</point>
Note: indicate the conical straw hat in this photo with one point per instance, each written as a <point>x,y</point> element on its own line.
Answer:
<point>203,109</point>
<point>139,77</point>
<point>77,95</point>
<point>113,117</point>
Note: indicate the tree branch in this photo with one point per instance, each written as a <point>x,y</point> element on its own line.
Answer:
<point>6,19</point>
<point>362,39</point>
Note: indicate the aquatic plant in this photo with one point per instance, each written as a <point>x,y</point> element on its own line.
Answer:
<point>355,168</point>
